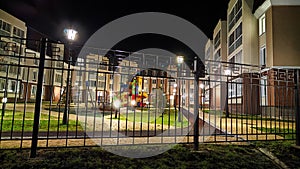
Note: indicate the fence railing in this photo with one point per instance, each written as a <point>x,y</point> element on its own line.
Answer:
<point>120,98</point>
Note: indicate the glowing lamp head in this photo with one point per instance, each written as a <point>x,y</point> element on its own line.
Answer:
<point>70,33</point>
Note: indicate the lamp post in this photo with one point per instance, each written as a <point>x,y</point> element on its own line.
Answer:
<point>202,100</point>
<point>174,96</point>
<point>71,36</point>
<point>227,72</point>
<point>180,60</point>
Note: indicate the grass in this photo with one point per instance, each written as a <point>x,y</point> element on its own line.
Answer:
<point>150,117</point>
<point>285,151</point>
<point>208,156</point>
<point>18,123</point>
<point>286,133</point>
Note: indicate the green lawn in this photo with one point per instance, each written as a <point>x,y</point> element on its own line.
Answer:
<point>286,133</point>
<point>152,118</point>
<point>18,123</point>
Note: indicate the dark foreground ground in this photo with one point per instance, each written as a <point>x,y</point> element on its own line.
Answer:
<point>182,156</point>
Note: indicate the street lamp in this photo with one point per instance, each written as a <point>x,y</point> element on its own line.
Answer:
<point>227,73</point>
<point>71,36</point>
<point>180,60</point>
<point>70,33</point>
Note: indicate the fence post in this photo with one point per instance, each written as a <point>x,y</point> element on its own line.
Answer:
<point>196,106</point>
<point>296,81</point>
<point>38,103</point>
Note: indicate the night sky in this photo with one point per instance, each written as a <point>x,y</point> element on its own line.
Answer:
<point>50,17</point>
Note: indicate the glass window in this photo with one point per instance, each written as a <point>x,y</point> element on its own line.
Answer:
<point>238,57</point>
<point>2,84</point>
<point>239,31</point>
<point>6,27</point>
<point>18,32</point>
<point>239,5</point>
<point>33,90</point>
<point>262,25</point>
<point>92,75</point>
<point>58,78</point>
<point>217,40</point>
<point>218,54</point>
<point>34,76</point>
<point>263,87</point>
<point>231,39</point>
<point>263,56</point>
<point>12,86</point>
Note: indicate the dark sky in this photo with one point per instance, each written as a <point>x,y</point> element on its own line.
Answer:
<point>50,17</point>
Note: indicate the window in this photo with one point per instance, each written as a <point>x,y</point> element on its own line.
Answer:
<point>58,78</point>
<point>235,14</point>
<point>2,85</point>
<point>217,40</point>
<point>263,57</point>
<point>36,61</point>
<point>262,24</point>
<point>235,88</point>
<point>5,26</point>
<point>235,39</point>
<point>33,90</point>
<point>18,32</point>
<point>93,83</point>
<point>101,84</point>
<point>79,73</point>
<point>207,53</point>
<point>92,75</point>
<point>263,90</point>
<point>92,63</point>
<point>218,54</point>
<point>12,87</point>
<point>34,76</point>
<point>231,39</point>
<point>13,69</point>
<point>153,81</point>
<point>232,60</point>
<point>263,86</point>
<point>103,66</point>
<point>238,57</point>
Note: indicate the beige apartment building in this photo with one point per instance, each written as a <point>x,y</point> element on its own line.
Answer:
<point>242,45</point>
<point>10,50</point>
<point>218,94</point>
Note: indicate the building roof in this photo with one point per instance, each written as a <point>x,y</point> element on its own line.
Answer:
<point>268,3</point>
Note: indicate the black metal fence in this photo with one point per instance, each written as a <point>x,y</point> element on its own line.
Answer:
<point>119,98</point>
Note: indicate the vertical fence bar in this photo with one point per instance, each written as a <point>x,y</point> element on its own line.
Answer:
<point>296,79</point>
<point>37,109</point>
<point>196,106</point>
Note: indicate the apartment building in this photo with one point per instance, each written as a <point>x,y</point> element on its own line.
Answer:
<point>219,55</point>
<point>12,46</point>
<point>242,45</point>
<point>242,33</point>
<point>279,52</point>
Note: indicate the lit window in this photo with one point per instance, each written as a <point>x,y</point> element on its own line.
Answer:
<point>34,76</point>
<point>262,25</point>
<point>263,56</point>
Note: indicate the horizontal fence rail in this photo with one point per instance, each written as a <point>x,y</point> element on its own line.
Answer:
<point>106,97</point>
